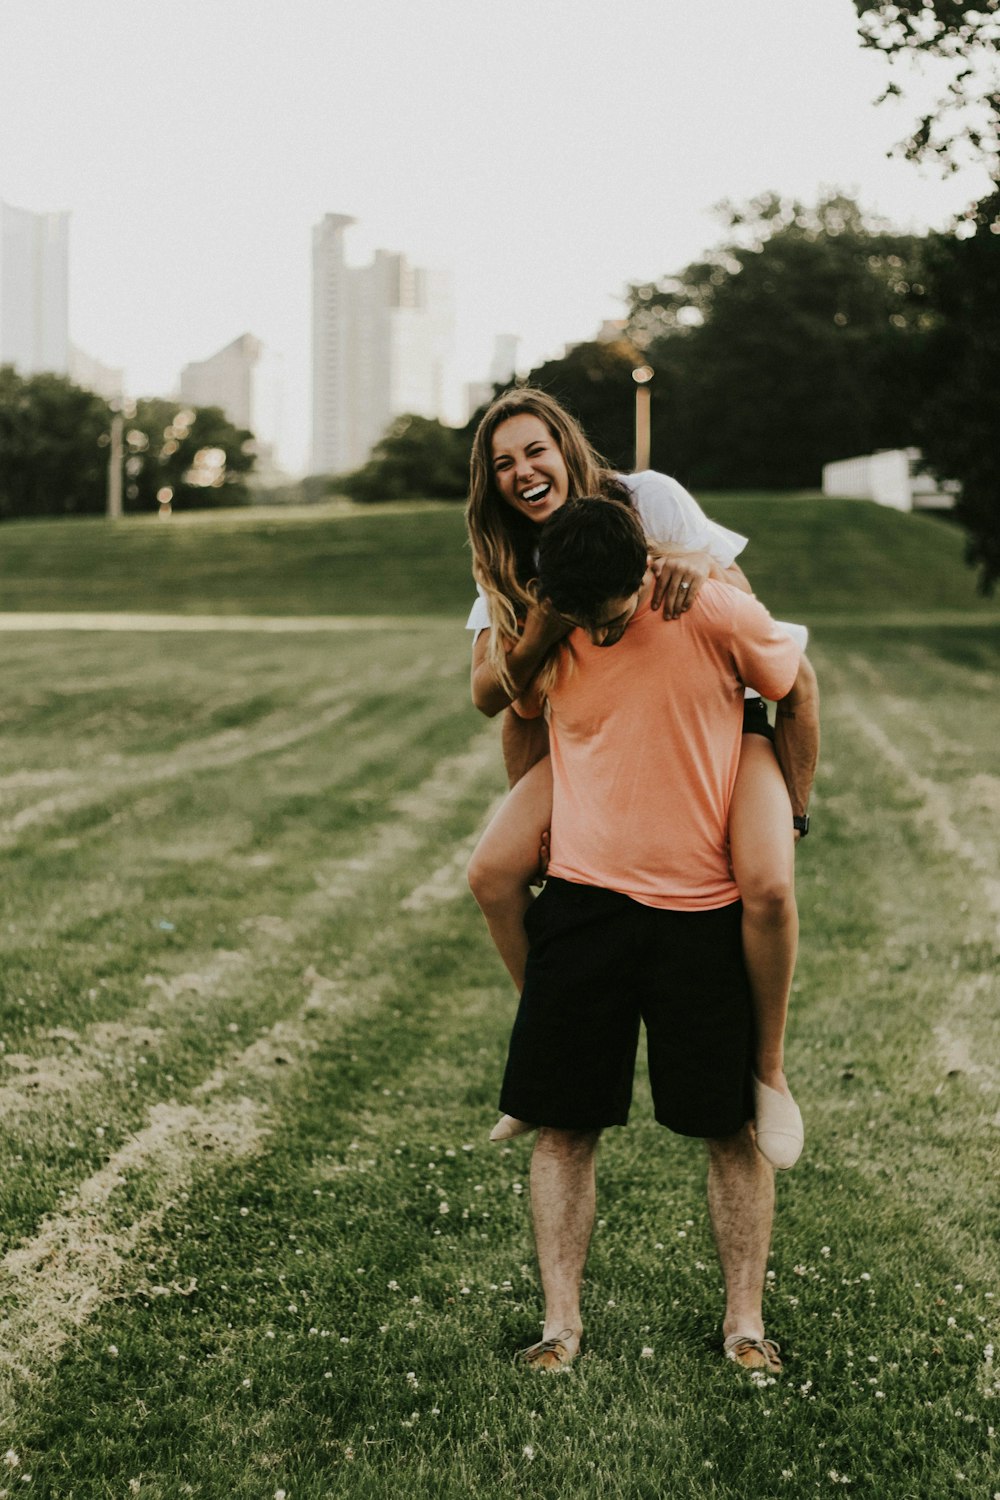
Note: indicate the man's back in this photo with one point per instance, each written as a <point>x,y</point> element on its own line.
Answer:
<point>645,738</point>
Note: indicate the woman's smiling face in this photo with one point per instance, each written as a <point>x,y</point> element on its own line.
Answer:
<point>528,467</point>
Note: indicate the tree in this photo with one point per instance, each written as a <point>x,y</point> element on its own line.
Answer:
<point>51,458</point>
<point>418,456</point>
<point>959,419</point>
<point>192,456</point>
<point>794,343</point>
<point>965,123</point>
<point>594,381</point>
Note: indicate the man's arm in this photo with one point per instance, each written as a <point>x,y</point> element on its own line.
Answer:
<point>796,736</point>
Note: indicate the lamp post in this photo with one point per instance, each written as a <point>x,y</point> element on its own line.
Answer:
<point>114,505</point>
<point>642,375</point>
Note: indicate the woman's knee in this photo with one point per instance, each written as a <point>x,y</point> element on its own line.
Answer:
<point>768,894</point>
<point>490,880</point>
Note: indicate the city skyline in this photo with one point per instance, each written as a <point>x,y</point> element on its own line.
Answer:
<point>381,336</point>
<point>545,159</point>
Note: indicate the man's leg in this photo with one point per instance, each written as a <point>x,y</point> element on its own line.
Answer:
<point>741,1205</point>
<point>563,1188</point>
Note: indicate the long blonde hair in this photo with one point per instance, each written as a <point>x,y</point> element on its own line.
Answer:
<point>502,540</point>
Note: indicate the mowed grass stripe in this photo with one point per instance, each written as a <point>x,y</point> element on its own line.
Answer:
<point>351,1331</point>
<point>54,1282</point>
<point>94,990</point>
<point>901,1238</point>
<point>215,752</point>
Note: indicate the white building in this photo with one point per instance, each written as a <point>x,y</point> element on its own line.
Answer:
<point>503,368</point>
<point>225,379</point>
<point>895,477</point>
<point>381,340</point>
<point>34,290</point>
<point>93,375</point>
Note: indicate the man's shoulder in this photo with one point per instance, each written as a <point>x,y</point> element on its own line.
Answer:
<point>718,604</point>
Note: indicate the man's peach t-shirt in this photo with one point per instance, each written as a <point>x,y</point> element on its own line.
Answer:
<point>645,739</point>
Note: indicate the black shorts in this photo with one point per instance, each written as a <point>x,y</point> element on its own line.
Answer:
<point>755,719</point>
<point>599,962</point>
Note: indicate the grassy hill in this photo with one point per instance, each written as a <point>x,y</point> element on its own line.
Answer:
<point>253,1240</point>
<point>808,557</point>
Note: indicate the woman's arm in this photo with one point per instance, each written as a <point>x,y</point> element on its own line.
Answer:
<point>543,629</point>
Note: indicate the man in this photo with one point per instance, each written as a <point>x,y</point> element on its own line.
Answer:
<point>640,916</point>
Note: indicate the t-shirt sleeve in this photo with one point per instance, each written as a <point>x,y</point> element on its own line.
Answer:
<point>766,656</point>
<point>670,514</point>
<point>479,615</point>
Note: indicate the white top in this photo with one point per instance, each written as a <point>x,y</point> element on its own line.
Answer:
<point>668,514</point>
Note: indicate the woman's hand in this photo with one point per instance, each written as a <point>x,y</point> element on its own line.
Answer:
<point>678,580</point>
<point>544,626</point>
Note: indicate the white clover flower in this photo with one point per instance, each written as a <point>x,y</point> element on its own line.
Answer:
<point>646,1352</point>
<point>11,1459</point>
<point>112,1351</point>
<point>443,1207</point>
<point>528,1452</point>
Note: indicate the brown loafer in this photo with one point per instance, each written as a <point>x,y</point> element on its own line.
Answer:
<point>752,1353</point>
<point>549,1355</point>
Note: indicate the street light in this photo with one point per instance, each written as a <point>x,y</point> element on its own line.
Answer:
<point>642,375</point>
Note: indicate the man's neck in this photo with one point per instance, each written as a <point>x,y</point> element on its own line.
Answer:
<point>645,594</point>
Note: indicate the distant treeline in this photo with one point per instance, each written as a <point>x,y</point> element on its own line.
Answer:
<point>55,448</point>
<point>810,334</point>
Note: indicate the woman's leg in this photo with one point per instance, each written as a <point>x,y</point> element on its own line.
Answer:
<point>762,847</point>
<point>506,861</point>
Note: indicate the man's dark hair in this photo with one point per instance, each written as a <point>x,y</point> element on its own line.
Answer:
<point>591,550</point>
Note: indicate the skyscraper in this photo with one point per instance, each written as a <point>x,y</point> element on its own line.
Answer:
<point>381,338</point>
<point>34,290</point>
<point>225,379</point>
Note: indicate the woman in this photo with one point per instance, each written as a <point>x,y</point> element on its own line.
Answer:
<point>529,455</point>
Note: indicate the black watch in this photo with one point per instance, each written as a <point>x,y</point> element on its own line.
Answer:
<point>802,824</point>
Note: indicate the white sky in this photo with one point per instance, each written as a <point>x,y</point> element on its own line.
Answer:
<point>546,151</point>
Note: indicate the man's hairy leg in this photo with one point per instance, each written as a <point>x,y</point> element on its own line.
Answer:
<point>741,1205</point>
<point>563,1194</point>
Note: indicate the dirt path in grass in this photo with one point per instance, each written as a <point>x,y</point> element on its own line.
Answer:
<point>267,624</point>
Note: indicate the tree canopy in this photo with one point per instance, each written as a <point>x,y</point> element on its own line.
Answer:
<point>54,451</point>
<point>964,125</point>
<point>793,344</point>
<point>51,458</point>
<point>192,456</point>
<point>418,456</point>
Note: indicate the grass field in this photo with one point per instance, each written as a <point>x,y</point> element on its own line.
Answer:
<point>361,560</point>
<point>254,1239</point>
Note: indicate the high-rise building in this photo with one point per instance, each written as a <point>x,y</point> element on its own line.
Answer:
<point>503,367</point>
<point>104,380</point>
<point>381,339</point>
<point>225,379</point>
<point>34,290</point>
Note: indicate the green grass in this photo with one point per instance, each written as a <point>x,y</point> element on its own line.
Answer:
<point>236,958</point>
<point>808,558</point>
